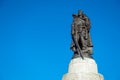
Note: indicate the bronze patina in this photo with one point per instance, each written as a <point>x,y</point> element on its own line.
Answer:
<point>81,40</point>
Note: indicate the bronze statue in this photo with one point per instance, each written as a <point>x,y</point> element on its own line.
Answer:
<point>81,40</point>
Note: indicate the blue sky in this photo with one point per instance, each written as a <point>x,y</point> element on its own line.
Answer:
<point>35,37</point>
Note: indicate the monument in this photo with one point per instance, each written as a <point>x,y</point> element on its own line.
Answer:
<point>82,66</point>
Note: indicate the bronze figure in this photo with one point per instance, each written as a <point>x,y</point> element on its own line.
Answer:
<point>81,40</point>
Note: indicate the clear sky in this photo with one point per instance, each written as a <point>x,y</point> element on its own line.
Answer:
<point>35,37</point>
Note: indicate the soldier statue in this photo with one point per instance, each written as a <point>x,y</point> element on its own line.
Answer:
<point>81,40</point>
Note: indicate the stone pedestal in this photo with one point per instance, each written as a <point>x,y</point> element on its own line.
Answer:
<point>80,69</point>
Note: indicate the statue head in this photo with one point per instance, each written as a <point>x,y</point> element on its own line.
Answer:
<point>80,13</point>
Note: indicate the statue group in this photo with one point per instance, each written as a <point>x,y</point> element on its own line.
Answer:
<point>81,40</point>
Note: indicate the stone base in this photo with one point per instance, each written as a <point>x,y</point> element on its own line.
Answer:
<point>82,76</point>
<point>80,69</point>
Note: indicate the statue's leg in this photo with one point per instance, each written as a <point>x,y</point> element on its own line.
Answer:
<point>84,43</point>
